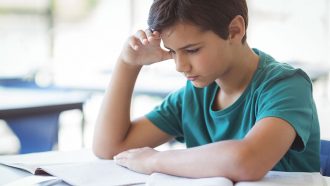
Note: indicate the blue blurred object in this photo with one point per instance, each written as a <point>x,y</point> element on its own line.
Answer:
<point>325,157</point>
<point>32,112</point>
<point>18,83</point>
<point>36,133</point>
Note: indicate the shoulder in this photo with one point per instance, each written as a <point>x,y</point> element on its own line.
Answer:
<point>279,87</point>
<point>272,72</point>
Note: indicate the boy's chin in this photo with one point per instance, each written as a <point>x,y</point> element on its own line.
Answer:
<point>199,85</point>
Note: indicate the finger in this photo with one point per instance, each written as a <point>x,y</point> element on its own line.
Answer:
<point>121,162</point>
<point>134,43</point>
<point>126,154</point>
<point>148,33</point>
<point>133,150</point>
<point>142,36</point>
<point>121,155</point>
<point>156,35</point>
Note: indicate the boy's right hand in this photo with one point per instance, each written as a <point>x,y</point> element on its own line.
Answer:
<point>143,48</point>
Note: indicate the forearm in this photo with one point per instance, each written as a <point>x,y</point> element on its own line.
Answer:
<point>228,159</point>
<point>113,120</point>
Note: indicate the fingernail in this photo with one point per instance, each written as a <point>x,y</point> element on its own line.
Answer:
<point>145,41</point>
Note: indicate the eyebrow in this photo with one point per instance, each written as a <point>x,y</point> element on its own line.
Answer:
<point>184,47</point>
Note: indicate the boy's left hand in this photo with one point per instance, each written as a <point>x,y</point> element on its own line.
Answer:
<point>139,160</point>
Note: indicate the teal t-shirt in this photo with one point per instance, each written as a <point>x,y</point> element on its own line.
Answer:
<point>276,90</point>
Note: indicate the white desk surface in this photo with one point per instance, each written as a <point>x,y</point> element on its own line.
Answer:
<point>9,174</point>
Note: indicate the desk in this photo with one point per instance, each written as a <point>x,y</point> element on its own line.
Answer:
<point>33,114</point>
<point>9,174</point>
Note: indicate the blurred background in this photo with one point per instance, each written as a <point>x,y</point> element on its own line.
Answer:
<point>56,59</point>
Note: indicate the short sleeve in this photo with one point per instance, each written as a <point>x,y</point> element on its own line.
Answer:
<point>289,98</point>
<point>168,115</point>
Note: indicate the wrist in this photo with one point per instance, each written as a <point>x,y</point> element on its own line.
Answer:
<point>155,162</point>
<point>128,65</point>
<point>124,60</point>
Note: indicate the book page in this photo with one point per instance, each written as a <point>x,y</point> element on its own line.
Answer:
<point>276,178</point>
<point>159,179</point>
<point>35,180</point>
<point>26,167</point>
<point>30,162</point>
<point>99,172</point>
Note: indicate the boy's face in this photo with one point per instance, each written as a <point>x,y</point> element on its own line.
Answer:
<point>202,56</point>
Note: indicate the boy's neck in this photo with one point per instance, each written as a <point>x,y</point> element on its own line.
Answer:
<point>240,73</point>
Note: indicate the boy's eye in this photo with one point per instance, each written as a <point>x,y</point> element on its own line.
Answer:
<point>192,51</point>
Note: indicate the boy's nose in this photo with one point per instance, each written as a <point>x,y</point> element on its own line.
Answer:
<point>182,64</point>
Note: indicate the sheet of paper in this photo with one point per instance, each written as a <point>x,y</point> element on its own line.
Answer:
<point>30,162</point>
<point>158,179</point>
<point>100,172</point>
<point>275,178</point>
<point>50,157</point>
<point>35,180</point>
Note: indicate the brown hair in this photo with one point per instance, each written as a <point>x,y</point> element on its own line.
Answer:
<point>214,15</point>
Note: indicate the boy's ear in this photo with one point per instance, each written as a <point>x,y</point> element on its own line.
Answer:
<point>236,29</point>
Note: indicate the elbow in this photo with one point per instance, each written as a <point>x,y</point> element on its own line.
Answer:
<point>248,168</point>
<point>249,174</point>
<point>103,151</point>
<point>99,153</point>
<point>104,148</point>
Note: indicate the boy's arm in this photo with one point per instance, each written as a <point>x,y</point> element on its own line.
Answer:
<point>247,159</point>
<point>114,131</point>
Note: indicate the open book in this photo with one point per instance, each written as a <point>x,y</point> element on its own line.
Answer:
<point>273,178</point>
<point>83,168</point>
<point>33,162</point>
<point>75,168</point>
<point>35,180</point>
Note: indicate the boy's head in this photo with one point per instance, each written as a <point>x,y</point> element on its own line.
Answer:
<point>214,15</point>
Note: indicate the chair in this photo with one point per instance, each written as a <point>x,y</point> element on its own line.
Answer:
<point>18,83</point>
<point>36,133</point>
<point>325,157</point>
<point>33,114</point>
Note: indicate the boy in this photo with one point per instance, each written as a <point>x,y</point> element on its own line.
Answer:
<point>240,114</point>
